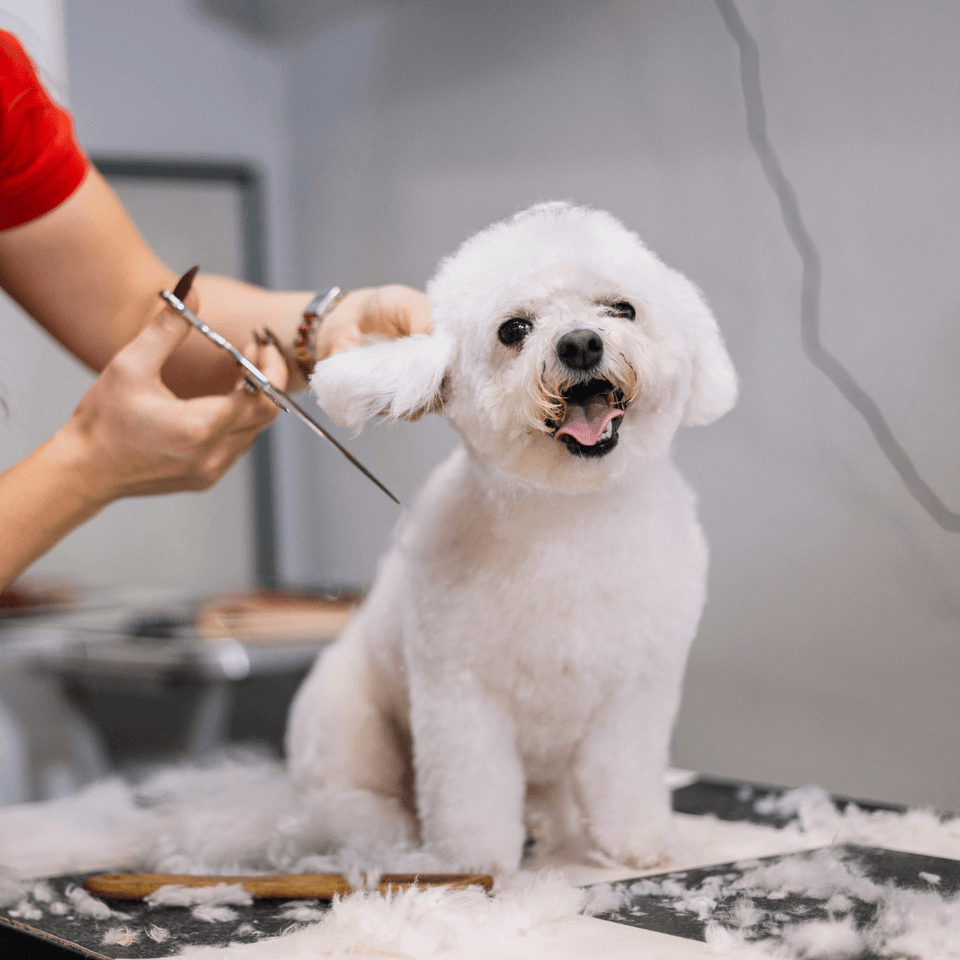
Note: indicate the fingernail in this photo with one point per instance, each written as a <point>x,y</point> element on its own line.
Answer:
<point>184,284</point>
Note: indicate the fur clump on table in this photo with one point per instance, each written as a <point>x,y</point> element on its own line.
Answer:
<point>537,912</point>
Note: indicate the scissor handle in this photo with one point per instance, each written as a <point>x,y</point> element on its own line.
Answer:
<point>257,379</point>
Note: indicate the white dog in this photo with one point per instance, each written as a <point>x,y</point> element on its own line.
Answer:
<point>518,662</point>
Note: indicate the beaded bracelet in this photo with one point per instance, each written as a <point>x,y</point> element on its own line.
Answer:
<point>305,346</point>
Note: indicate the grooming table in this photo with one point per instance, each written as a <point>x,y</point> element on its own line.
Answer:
<point>645,924</point>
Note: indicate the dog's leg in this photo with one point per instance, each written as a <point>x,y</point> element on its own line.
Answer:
<point>619,778</point>
<point>349,762</point>
<point>470,782</point>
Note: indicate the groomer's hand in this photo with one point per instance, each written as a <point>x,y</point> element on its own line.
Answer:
<point>392,310</point>
<point>131,435</point>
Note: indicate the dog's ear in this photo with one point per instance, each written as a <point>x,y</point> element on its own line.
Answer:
<point>713,381</point>
<point>400,379</point>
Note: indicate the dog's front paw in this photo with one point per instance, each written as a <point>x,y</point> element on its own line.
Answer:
<point>643,846</point>
<point>332,818</point>
<point>479,851</point>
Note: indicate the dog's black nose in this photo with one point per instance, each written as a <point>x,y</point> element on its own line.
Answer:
<point>580,349</point>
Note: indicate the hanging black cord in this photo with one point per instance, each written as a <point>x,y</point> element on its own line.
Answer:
<point>810,284</point>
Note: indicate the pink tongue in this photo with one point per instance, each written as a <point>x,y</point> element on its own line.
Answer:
<point>585,423</point>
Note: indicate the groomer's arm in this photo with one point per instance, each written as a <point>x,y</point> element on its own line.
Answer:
<point>85,274</point>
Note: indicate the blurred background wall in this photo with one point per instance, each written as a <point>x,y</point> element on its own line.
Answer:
<point>388,131</point>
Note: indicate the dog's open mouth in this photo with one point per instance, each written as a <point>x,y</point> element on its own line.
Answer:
<point>591,420</point>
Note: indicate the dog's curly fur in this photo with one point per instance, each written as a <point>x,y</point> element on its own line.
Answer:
<point>518,662</point>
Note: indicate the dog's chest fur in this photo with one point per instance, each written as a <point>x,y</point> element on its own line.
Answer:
<point>547,603</point>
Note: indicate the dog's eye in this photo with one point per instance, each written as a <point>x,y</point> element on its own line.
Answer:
<point>514,330</point>
<point>622,308</point>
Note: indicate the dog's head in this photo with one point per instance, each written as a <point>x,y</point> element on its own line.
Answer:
<point>563,351</point>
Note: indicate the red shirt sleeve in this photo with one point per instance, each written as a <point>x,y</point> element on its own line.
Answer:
<point>41,163</point>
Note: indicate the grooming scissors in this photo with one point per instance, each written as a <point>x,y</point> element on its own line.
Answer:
<point>254,377</point>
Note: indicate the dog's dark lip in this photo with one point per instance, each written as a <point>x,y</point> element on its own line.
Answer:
<point>579,393</point>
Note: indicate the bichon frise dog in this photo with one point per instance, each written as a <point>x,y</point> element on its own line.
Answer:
<point>518,662</point>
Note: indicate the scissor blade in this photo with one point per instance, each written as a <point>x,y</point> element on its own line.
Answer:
<point>256,376</point>
<point>305,417</point>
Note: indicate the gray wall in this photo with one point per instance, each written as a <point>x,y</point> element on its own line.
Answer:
<point>389,131</point>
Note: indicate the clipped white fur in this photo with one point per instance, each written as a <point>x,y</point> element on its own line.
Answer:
<point>517,665</point>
